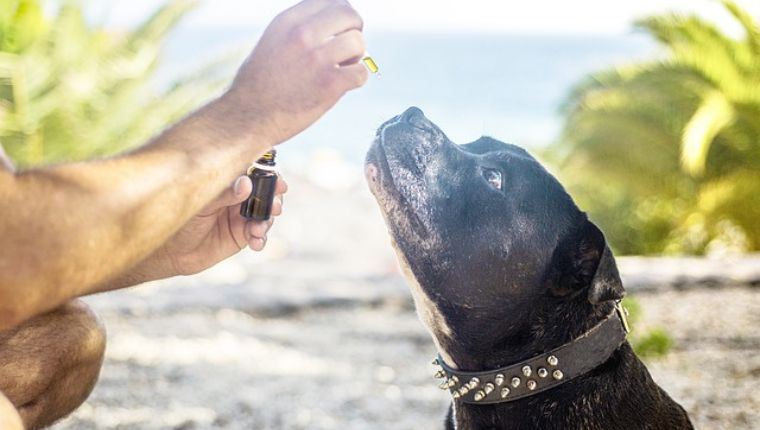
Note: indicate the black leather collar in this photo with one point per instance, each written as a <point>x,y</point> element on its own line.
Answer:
<point>539,373</point>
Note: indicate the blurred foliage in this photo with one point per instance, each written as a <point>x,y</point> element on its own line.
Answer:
<point>665,155</point>
<point>654,343</point>
<point>651,343</point>
<point>70,90</point>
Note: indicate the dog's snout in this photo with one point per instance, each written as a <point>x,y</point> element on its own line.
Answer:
<point>412,115</point>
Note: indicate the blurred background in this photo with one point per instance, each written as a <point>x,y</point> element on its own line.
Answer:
<point>648,112</point>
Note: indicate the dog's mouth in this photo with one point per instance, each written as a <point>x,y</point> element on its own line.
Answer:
<point>393,203</point>
<point>399,163</point>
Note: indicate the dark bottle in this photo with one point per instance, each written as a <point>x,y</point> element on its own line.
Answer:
<point>264,177</point>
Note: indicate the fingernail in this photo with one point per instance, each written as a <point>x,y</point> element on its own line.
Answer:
<point>238,184</point>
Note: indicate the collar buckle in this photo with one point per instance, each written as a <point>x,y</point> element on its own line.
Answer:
<point>623,315</point>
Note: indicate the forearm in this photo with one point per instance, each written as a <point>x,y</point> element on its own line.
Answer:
<point>156,266</point>
<point>101,218</point>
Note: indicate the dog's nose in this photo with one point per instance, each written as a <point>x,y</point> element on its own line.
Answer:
<point>412,114</point>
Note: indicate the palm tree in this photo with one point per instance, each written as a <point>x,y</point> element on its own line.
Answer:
<point>666,154</point>
<point>71,91</point>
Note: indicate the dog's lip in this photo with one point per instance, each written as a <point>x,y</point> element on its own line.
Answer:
<point>375,170</point>
<point>373,165</point>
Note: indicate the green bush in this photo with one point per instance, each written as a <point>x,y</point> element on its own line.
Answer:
<point>70,90</point>
<point>665,154</point>
<point>654,343</point>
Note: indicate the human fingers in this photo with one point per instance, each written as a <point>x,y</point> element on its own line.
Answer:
<point>258,229</point>
<point>346,48</point>
<point>257,244</point>
<point>332,21</point>
<point>239,191</point>
<point>282,185</point>
<point>277,205</point>
<point>352,76</point>
<point>306,9</point>
<point>257,233</point>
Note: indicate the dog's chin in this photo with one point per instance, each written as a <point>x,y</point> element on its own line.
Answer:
<point>401,216</point>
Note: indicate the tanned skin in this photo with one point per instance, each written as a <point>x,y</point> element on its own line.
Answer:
<point>160,211</point>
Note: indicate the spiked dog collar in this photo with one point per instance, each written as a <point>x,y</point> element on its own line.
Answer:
<point>539,373</point>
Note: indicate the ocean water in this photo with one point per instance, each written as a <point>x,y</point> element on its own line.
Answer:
<point>510,87</point>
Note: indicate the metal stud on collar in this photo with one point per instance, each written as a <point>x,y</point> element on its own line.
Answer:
<point>480,395</point>
<point>499,380</point>
<point>473,383</point>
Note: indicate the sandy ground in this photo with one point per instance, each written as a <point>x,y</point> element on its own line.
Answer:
<point>318,332</point>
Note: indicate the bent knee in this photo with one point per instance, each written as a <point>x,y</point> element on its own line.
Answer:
<point>82,331</point>
<point>65,347</point>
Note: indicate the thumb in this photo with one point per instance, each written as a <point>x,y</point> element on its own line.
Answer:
<point>239,191</point>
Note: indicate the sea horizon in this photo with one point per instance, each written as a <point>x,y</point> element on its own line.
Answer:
<point>508,86</point>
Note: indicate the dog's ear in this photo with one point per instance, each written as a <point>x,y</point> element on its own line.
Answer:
<point>606,284</point>
<point>591,267</point>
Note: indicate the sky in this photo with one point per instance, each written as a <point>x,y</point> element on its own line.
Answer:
<point>455,16</point>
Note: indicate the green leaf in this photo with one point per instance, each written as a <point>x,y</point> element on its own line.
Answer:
<point>651,150</point>
<point>21,27</point>
<point>749,24</point>
<point>713,115</point>
<point>80,91</point>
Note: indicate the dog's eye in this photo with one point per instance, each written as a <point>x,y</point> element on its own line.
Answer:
<point>493,177</point>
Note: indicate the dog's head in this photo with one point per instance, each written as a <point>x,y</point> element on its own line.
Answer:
<point>498,254</point>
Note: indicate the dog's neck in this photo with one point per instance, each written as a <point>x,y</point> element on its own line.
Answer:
<point>612,389</point>
<point>529,340</point>
<point>578,399</point>
<point>541,372</point>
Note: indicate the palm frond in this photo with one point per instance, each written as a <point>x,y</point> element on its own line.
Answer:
<point>79,91</point>
<point>670,149</point>
<point>751,27</point>
<point>713,115</point>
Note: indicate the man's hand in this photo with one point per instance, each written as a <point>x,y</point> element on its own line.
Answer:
<point>216,233</point>
<point>219,231</point>
<point>306,60</point>
<point>99,219</point>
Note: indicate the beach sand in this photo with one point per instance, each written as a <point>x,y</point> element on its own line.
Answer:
<point>319,332</point>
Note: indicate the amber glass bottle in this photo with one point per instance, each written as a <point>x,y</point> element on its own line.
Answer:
<point>264,177</point>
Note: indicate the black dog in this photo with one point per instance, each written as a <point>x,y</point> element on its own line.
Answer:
<point>505,269</point>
